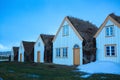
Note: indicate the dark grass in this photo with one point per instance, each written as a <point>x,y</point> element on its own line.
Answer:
<point>37,71</point>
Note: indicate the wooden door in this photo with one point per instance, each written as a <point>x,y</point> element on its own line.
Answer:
<point>76,56</point>
<point>38,56</point>
<point>20,57</point>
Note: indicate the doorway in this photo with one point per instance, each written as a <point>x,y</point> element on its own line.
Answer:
<point>38,56</point>
<point>20,57</point>
<point>76,54</point>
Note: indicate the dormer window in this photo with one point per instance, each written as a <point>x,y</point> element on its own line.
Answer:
<point>109,31</point>
<point>65,30</point>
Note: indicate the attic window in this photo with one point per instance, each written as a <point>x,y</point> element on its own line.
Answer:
<point>21,47</point>
<point>65,30</point>
<point>39,44</point>
<point>109,31</point>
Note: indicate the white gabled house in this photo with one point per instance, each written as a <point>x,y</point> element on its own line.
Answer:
<point>12,54</point>
<point>43,48</point>
<point>26,51</point>
<point>68,42</point>
<point>39,50</point>
<point>108,39</point>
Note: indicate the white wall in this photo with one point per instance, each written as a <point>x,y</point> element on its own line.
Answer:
<point>12,55</point>
<point>39,48</point>
<point>101,40</point>
<point>66,41</point>
<point>21,50</point>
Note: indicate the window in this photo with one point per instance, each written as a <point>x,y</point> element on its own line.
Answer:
<point>113,50</point>
<point>39,44</point>
<point>65,30</point>
<point>57,52</point>
<point>20,47</point>
<point>76,46</point>
<point>64,52</point>
<point>110,50</point>
<point>109,31</point>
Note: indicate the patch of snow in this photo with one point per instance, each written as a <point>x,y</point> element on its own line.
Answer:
<point>1,78</point>
<point>100,67</point>
<point>103,77</point>
<point>11,71</point>
<point>86,76</point>
<point>32,76</point>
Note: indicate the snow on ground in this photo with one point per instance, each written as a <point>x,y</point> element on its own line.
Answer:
<point>86,76</point>
<point>100,67</point>
<point>1,78</point>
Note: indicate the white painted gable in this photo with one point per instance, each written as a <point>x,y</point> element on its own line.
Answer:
<point>12,55</point>
<point>12,51</point>
<point>21,51</point>
<point>66,41</point>
<point>109,22</point>
<point>39,46</point>
<point>102,40</point>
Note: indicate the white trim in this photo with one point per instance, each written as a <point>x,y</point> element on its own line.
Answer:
<point>109,45</point>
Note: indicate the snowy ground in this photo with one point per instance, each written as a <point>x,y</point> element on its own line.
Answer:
<point>100,67</point>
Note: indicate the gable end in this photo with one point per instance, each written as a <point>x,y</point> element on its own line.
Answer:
<point>104,23</point>
<point>66,19</point>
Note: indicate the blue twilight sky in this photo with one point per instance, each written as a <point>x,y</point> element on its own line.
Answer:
<point>26,19</point>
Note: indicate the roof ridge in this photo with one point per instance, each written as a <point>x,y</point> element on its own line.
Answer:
<point>46,38</point>
<point>27,41</point>
<point>46,35</point>
<point>115,17</point>
<point>85,28</point>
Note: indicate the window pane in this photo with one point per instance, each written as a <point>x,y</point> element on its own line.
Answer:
<point>108,54</point>
<point>107,31</point>
<point>113,54</point>
<point>64,52</point>
<point>57,52</point>
<point>112,47</point>
<point>111,31</point>
<point>107,50</point>
<point>39,44</point>
<point>65,30</point>
<point>112,50</point>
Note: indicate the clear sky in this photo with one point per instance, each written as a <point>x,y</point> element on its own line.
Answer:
<point>26,19</point>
